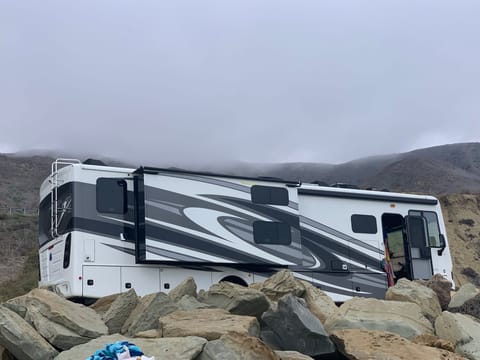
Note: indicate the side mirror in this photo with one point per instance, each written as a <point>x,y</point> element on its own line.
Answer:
<point>443,245</point>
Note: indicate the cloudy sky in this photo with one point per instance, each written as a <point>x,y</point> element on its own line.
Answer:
<point>254,80</point>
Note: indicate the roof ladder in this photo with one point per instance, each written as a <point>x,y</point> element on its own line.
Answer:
<point>56,182</point>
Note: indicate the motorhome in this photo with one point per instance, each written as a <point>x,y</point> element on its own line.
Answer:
<point>105,230</point>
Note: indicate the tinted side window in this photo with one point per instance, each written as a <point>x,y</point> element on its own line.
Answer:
<point>111,196</point>
<point>269,195</point>
<point>364,224</point>
<point>66,253</point>
<point>271,233</point>
<point>44,221</point>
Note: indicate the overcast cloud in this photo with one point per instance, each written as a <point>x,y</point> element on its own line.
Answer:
<point>263,80</point>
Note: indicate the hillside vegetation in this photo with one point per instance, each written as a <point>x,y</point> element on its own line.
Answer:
<point>19,254</point>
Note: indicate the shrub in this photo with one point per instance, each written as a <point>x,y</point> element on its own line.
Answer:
<point>468,222</point>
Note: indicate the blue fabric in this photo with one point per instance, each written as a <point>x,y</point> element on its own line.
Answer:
<point>111,350</point>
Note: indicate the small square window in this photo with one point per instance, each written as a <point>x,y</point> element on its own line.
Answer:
<point>271,233</point>
<point>269,195</point>
<point>364,224</point>
<point>111,196</point>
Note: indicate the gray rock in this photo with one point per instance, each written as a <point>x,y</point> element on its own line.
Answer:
<point>17,305</point>
<point>469,307</point>
<point>236,299</point>
<point>319,303</point>
<point>186,287</point>
<point>103,304</point>
<point>187,303</point>
<point>120,310</point>
<point>187,348</point>
<point>234,346</point>
<point>78,318</point>
<point>466,301</point>
<point>462,330</point>
<point>466,292</point>
<point>426,298</point>
<point>5,354</point>
<point>210,324</point>
<point>146,313</point>
<point>56,334</point>
<point>293,327</point>
<point>402,318</point>
<point>280,284</point>
<point>442,288</point>
<point>21,340</point>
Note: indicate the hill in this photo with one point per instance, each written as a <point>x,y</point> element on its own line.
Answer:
<point>20,179</point>
<point>447,169</point>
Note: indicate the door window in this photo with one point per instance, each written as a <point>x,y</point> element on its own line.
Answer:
<point>433,236</point>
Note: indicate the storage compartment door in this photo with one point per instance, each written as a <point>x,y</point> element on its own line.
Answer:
<point>100,281</point>
<point>145,280</point>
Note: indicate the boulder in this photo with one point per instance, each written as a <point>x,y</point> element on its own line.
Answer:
<point>293,327</point>
<point>187,348</point>
<point>186,287</point>
<point>21,340</point>
<point>462,330</point>
<point>469,307</point>
<point>57,335</point>
<point>120,310</point>
<point>434,341</point>
<point>149,334</point>
<point>18,305</point>
<point>75,317</point>
<point>410,291</point>
<point>210,324</point>
<point>146,313</point>
<point>466,301</point>
<point>233,346</point>
<point>466,292</point>
<point>357,344</point>
<point>187,303</point>
<point>236,299</point>
<point>442,288</point>
<point>402,318</point>
<point>103,304</point>
<point>5,354</point>
<point>319,303</point>
<point>292,355</point>
<point>280,284</point>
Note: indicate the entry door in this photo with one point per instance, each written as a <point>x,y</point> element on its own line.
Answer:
<point>420,254</point>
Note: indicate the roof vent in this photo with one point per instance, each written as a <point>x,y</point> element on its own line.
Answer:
<point>319,183</point>
<point>94,162</point>
<point>344,186</point>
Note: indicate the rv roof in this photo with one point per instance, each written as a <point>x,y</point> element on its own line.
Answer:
<point>308,189</point>
<point>153,170</point>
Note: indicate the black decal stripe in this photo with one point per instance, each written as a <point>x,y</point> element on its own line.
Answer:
<point>182,239</point>
<point>121,248</point>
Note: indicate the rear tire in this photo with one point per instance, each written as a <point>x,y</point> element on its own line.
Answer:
<point>235,280</point>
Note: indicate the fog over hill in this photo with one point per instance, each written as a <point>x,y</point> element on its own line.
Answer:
<point>446,169</point>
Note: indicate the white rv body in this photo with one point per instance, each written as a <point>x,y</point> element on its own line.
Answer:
<point>112,229</point>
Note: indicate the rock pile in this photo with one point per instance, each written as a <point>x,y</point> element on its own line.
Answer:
<point>280,319</point>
